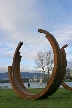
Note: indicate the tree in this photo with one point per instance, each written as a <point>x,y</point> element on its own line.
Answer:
<point>44,61</point>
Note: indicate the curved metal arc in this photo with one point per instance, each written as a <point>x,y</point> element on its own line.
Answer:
<point>66,86</point>
<point>15,74</point>
<point>63,83</point>
<point>63,56</point>
<point>52,86</point>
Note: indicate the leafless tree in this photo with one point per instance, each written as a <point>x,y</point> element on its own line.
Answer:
<point>44,61</point>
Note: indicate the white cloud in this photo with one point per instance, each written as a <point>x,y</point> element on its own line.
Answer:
<point>69,64</point>
<point>24,68</point>
<point>20,20</point>
<point>18,15</point>
<point>3,69</point>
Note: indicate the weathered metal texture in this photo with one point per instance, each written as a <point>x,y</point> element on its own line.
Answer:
<point>63,83</point>
<point>64,62</point>
<point>58,75</point>
<point>64,67</point>
<point>66,86</point>
<point>55,80</point>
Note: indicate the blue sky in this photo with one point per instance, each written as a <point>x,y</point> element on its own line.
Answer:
<point>20,21</point>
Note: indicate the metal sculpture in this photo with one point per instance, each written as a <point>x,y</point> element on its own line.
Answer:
<point>57,74</point>
<point>64,69</point>
<point>66,86</point>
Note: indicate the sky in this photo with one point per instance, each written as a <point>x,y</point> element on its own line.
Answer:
<point>20,21</point>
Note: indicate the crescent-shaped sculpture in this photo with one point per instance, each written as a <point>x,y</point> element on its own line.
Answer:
<point>63,83</point>
<point>64,68</point>
<point>55,80</point>
<point>64,62</point>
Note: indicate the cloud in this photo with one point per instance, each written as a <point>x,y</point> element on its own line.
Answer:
<point>18,15</point>
<point>20,20</point>
<point>69,64</point>
<point>3,69</point>
<point>24,68</point>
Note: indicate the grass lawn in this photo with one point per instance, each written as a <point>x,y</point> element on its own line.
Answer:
<point>60,99</point>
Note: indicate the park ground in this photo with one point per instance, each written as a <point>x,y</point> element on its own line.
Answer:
<point>62,98</point>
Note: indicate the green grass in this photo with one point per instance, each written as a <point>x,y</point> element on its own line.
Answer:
<point>60,99</point>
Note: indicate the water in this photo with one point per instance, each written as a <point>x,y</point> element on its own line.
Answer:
<point>33,85</point>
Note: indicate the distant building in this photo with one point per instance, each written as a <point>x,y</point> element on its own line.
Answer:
<point>5,79</point>
<point>40,80</point>
<point>5,87</point>
<point>30,80</point>
<point>35,77</point>
<point>71,73</point>
<point>67,75</point>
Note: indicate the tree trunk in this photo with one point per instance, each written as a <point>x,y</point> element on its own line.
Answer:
<point>48,74</point>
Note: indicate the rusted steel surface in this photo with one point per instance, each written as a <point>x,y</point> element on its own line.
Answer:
<point>64,62</point>
<point>55,80</point>
<point>64,68</point>
<point>66,86</point>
